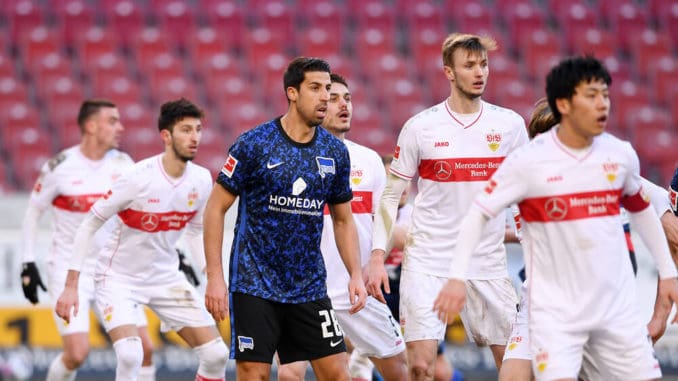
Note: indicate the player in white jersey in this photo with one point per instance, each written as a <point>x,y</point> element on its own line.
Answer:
<point>373,331</point>
<point>454,147</point>
<point>68,185</point>
<point>151,206</point>
<point>517,364</point>
<point>569,183</point>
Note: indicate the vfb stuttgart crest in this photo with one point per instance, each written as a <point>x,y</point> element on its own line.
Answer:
<point>493,140</point>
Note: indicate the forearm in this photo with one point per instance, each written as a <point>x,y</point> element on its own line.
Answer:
<point>346,237</point>
<point>29,232</point>
<point>387,212</point>
<point>83,240</point>
<point>659,197</point>
<point>194,241</point>
<point>469,237</point>
<point>650,230</point>
<point>213,236</point>
<point>72,278</point>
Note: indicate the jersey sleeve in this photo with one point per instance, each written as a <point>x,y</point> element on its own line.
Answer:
<point>46,187</point>
<point>205,180</point>
<point>341,191</point>
<point>633,196</point>
<point>120,196</point>
<point>521,137</point>
<point>235,171</point>
<point>406,155</point>
<point>379,181</point>
<point>505,187</point>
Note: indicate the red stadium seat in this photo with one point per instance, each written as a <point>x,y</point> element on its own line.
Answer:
<point>471,16</point>
<point>24,16</point>
<point>6,65</point>
<point>372,43</point>
<point>261,43</point>
<point>177,21</point>
<point>239,117</point>
<point>12,90</point>
<point>118,88</point>
<point>39,42</point>
<point>537,44</point>
<point>150,43</point>
<point>627,95</point>
<point>374,14</point>
<point>647,48</point>
<point>275,15</point>
<point>206,43</point>
<point>663,78</point>
<point>598,42</point>
<point>627,19</point>
<point>227,17</point>
<point>424,14</point>
<point>160,67</point>
<point>400,111</point>
<point>125,17</point>
<point>426,43</point>
<point>228,87</point>
<point>53,64</point>
<point>656,146</point>
<point>104,68</point>
<point>575,19</point>
<point>75,17</point>
<point>325,14</point>
<point>28,161</point>
<point>522,19</point>
<point>96,42</point>
<point>166,88</point>
<point>318,42</point>
<point>55,88</point>
<point>142,142</point>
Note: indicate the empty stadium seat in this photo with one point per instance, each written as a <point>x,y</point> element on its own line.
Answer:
<point>39,42</point>
<point>177,21</point>
<point>28,161</point>
<point>470,16</point>
<point>75,17</point>
<point>23,16</point>
<point>374,14</point>
<point>126,18</point>
<point>647,48</point>
<point>318,42</point>
<point>227,17</point>
<point>325,14</point>
<point>423,14</point>
<point>663,78</point>
<point>95,42</point>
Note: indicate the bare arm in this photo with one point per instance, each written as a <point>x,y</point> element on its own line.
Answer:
<point>346,237</point>
<point>216,293</point>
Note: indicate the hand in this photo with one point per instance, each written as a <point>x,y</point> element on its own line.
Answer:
<point>656,327</point>
<point>187,269</point>
<point>667,295</point>
<point>216,299</point>
<point>357,293</point>
<point>30,280</point>
<point>67,302</point>
<point>450,300</point>
<point>377,276</point>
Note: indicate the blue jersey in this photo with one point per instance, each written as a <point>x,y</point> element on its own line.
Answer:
<point>283,187</point>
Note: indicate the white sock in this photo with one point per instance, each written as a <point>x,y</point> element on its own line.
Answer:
<point>58,372</point>
<point>147,373</point>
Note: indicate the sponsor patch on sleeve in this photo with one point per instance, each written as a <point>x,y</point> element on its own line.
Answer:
<point>229,166</point>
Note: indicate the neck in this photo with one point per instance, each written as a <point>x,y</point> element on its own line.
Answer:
<point>338,134</point>
<point>296,128</point>
<point>570,138</point>
<point>91,150</point>
<point>172,165</point>
<point>463,105</point>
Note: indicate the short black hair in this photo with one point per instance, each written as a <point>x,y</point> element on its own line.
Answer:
<point>297,69</point>
<point>174,111</point>
<point>338,79</point>
<point>562,80</point>
<point>90,107</point>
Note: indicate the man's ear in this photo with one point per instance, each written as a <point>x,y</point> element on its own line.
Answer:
<point>449,73</point>
<point>563,105</point>
<point>292,94</point>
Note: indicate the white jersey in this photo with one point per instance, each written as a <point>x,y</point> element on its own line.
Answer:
<point>70,183</point>
<point>454,161</point>
<point>150,209</point>
<point>575,251</point>
<point>368,178</point>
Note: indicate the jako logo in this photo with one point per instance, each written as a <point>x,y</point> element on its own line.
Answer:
<point>245,342</point>
<point>442,144</point>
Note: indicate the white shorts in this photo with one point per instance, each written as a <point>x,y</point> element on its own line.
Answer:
<point>621,348</point>
<point>417,294</point>
<point>518,346</point>
<point>55,286</point>
<point>176,303</point>
<point>490,310</point>
<point>373,330</point>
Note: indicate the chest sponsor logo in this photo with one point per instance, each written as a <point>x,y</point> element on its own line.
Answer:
<point>571,207</point>
<point>459,169</point>
<point>493,140</point>
<point>78,203</point>
<point>325,166</point>
<point>229,166</point>
<point>155,222</point>
<point>294,204</point>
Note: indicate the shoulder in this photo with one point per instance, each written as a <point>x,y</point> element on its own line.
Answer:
<point>60,158</point>
<point>200,172</point>
<point>503,113</point>
<point>258,137</point>
<point>422,118</point>
<point>326,139</point>
<point>119,157</point>
<point>362,152</point>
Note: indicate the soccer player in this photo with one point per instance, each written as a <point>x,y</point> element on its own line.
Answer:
<point>285,172</point>
<point>68,185</point>
<point>569,183</point>
<point>517,364</point>
<point>454,147</point>
<point>373,331</point>
<point>150,207</point>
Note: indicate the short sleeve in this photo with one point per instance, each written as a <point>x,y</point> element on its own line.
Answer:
<point>234,173</point>
<point>120,196</point>
<point>406,155</point>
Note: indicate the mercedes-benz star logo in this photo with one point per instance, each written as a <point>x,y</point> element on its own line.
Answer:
<point>442,170</point>
<point>556,208</point>
<point>149,222</point>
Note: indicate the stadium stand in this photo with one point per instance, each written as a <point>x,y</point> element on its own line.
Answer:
<point>228,55</point>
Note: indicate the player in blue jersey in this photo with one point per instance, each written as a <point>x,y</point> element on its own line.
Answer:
<point>284,172</point>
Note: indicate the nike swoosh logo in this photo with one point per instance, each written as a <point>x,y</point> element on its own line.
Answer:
<point>271,166</point>
<point>334,344</point>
